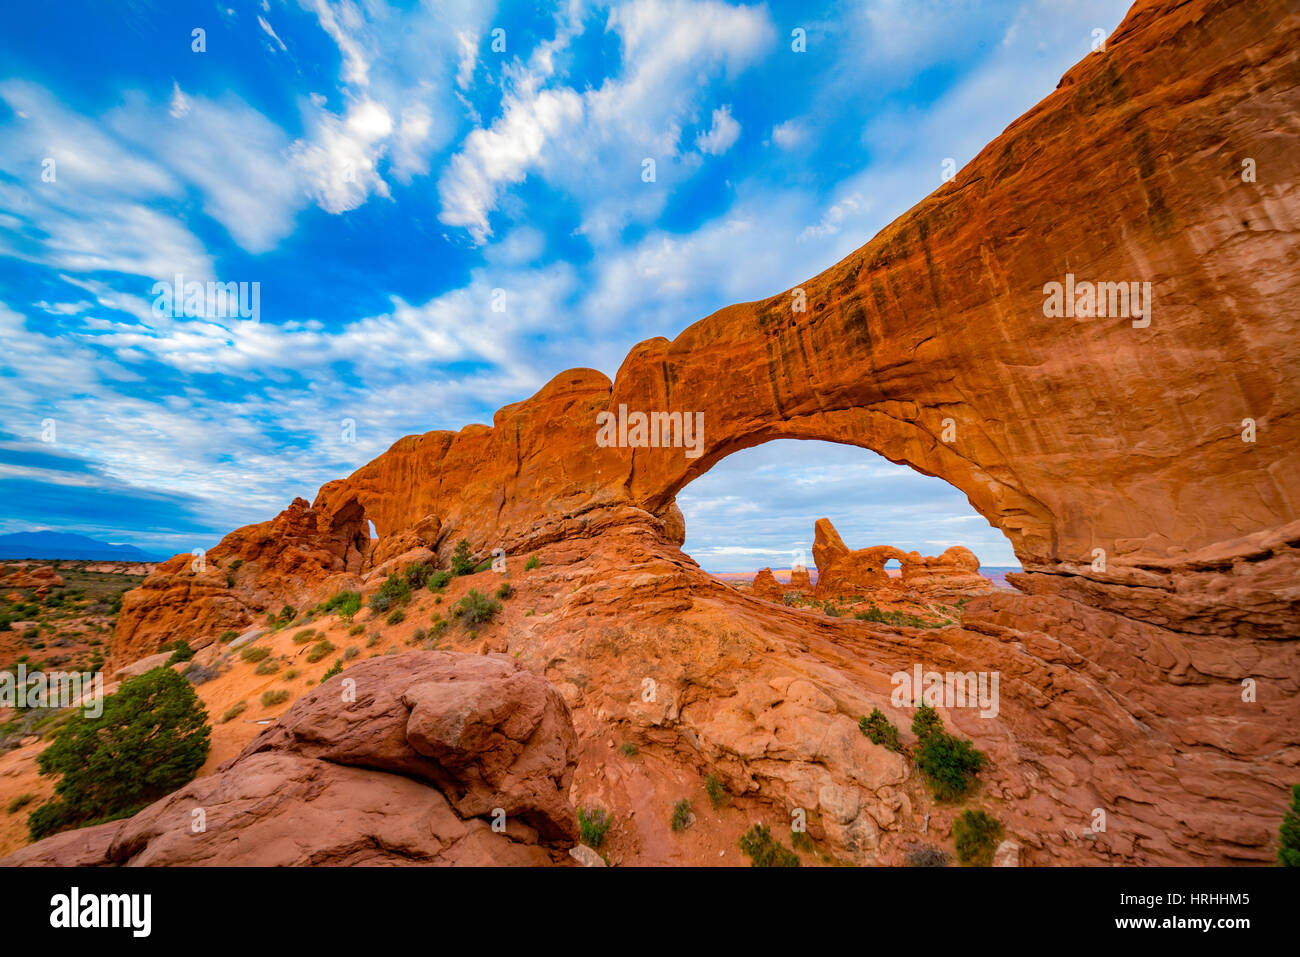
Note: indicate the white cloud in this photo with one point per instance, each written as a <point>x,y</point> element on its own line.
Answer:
<point>591,144</point>
<point>340,161</point>
<point>790,134</point>
<point>721,136</point>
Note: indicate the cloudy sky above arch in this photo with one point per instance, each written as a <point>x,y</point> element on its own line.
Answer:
<point>379,169</point>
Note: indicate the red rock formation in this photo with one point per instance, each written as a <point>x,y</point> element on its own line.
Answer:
<point>412,771</point>
<point>800,580</point>
<point>766,586</point>
<point>1161,551</point>
<point>298,555</point>
<point>40,578</point>
<point>842,573</point>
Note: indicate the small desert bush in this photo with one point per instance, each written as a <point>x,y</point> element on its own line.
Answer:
<point>356,629</point>
<point>681,818</point>
<point>533,562</point>
<point>392,593</point>
<point>977,836</point>
<point>271,698</point>
<point>593,822</point>
<point>319,650</point>
<point>418,575</point>
<point>800,841</point>
<point>181,651</point>
<point>716,792</point>
<point>268,667</point>
<point>763,850</point>
<point>350,652</point>
<point>335,669</point>
<point>291,674</point>
<point>476,608</point>
<point>462,562</point>
<point>344,603</point>
<point>925,721</point>
<point>373,640</point>
<point>629,749</point>
<point>505,591</point>
<point>438,581</point>
<point>20,802</point>
<point>925,855</point>
<point>880,730</point>
<point>254,652</point>
<point>395,617</point>
<point>234,711</point>
<point>227,637</point>
<point>304,636</point>
<point>948,763</point>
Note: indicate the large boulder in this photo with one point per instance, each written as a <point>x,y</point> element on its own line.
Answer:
<point>404,759</point>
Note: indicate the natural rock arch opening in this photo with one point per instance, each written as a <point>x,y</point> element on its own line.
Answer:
<point>774,521</point>
<point>757,507</point>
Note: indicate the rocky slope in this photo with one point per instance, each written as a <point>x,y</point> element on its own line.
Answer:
<point>410,763</point>
<point>1162,570</point>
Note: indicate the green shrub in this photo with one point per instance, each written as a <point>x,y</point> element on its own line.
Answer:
<point>271,698</point>
<point>593,823</point>
<point>418,575</point>
<point>801,841</point>
<point>227,637</point>
<point>319,650</point>
<point>925,722</point>
<point>395,617</point>
<point>1288,852</point>
<point>977,836</point>
<point>20,802</point>
<point>373,640</point>
<point>335,669</point>
<point>880,730</point>
<point>681,818</point>
<point>350,652</point>
<point>304,636</point>
<point>181,651</point>
<point>716,792</point>
<point>765,851</point>
<point>151,739</point>
<point>268,667</point>
<point>462,562</point>
<point>505,591</point>
<point>629,749</point>
<point>532,563</point>
<point>949,764</point>
<point>291,674</point>
<point>438,580</point>
<point>234,711</point>
<point>287,614</point>
<point>344,603</point>
<point>356,629</point>
<point>483,565</point>
<point>476,608</point>
<point>254,652</point>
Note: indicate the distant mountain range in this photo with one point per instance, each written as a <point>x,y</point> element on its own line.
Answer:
<point>67,546</point>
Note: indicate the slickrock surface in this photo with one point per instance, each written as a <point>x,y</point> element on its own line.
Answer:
<point>411,771</point>
<point>1161,551</point>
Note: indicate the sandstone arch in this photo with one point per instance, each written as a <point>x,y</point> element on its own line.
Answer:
<point>1070,435</point>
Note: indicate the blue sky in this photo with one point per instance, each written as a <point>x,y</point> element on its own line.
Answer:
<point>379,169</point>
